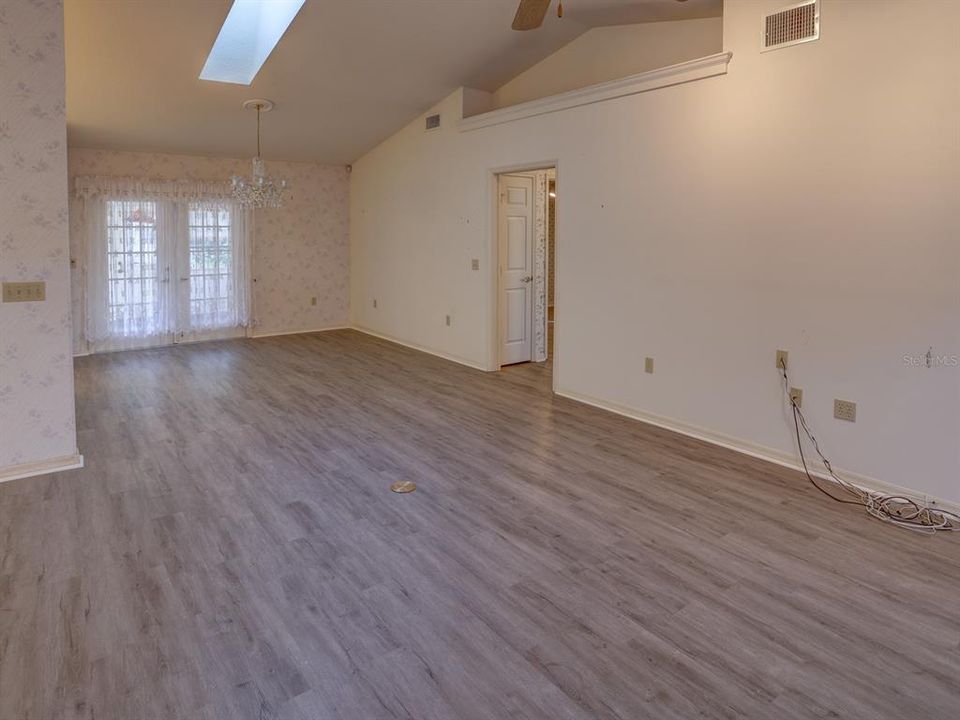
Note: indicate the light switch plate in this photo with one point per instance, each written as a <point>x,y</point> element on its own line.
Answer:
<point>24,292</point>
<point>648,365</point>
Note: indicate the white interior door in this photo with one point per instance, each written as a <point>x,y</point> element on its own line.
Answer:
<point>515,232</point>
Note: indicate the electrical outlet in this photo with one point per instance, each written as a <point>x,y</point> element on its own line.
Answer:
<point>374,303</point>
<point>648,365</point>
<point>448,321</point>
<point>782,356</point>
<point>796,395</point>
<point>24,291</point>
<point>475,264</point>
<point>845,410</point>
<point>313,301</point>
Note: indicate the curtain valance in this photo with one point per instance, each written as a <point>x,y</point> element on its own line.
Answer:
<point>91,186</point>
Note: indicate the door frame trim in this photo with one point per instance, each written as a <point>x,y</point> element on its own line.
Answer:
<point>493,260</point>
<point>505,181</point>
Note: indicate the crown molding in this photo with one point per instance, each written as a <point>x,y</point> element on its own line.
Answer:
<point>684,72</point>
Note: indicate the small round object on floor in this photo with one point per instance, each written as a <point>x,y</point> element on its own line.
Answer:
<point>403,486</point>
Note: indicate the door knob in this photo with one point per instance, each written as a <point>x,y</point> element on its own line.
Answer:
<point>528,278</point>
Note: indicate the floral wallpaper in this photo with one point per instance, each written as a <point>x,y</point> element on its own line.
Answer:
<point>37,420</point>
<point>301,251</point>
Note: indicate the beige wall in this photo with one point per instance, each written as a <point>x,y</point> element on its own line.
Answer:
<point>608,53</point>
<point>300,250</point>
<point>37,422</point>
<point>807,200</point>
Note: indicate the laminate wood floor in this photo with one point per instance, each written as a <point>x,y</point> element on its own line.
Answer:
<point>232,550</point>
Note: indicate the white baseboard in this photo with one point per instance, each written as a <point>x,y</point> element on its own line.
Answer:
<point>41,467</point>
<point>422,348</point>
<point>761,452</point>
<point>298,331</point>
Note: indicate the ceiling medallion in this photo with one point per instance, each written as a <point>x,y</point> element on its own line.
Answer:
<point>259,190</point>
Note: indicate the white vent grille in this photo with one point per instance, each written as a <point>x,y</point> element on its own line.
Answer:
<point>432,122</point>
<point>792,25</point>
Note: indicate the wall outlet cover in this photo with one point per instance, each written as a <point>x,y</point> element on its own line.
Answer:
<point>648,365</point>
<point>796,394</point>
<point>782,358</point>
<point>845,410</point>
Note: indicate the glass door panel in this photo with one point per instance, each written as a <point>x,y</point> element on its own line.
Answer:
<point>136,273</point>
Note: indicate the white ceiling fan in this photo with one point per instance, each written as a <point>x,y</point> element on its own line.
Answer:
<point>530,13</point>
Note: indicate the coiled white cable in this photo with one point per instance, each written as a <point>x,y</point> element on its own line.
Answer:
<point>898,510</point>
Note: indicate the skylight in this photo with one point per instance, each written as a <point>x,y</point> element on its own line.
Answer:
<point>249,34</point>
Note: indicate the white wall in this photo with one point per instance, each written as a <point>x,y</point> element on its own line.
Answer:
<point>37,422</point>
<point>808,200</point>
<point>301,250</point>
<point>607,53</point>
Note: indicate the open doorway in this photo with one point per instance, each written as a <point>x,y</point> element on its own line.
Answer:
<point>526,236</point>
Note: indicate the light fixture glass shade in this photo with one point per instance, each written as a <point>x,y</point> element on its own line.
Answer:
<point>259,190</point>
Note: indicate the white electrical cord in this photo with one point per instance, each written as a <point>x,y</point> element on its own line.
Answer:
<point>895,509</point>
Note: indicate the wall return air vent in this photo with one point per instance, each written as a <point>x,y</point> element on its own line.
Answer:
<point>432,122</point>
<point>792,25</point>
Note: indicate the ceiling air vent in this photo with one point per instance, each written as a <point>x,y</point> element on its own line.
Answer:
<point>433,122</point>
<point>792,25</point>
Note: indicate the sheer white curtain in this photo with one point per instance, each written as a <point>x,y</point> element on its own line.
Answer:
<point>215,266</point>
<point>165,262</point>
<point>128,277</point>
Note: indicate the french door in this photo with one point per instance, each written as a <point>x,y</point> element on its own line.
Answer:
<point>137,279</point>
<point>210,288</point>
<point>174,272</point>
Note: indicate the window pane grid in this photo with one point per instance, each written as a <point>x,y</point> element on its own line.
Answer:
<point>140,263</point>
<point>132,268</point>
<point>211,264</point>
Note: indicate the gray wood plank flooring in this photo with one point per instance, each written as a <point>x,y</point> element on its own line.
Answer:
<point>232,550</point>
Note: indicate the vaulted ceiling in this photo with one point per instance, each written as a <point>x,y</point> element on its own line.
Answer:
<point>346,75</point>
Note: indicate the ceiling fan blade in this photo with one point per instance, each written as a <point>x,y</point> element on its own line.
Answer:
<point>530,14</point>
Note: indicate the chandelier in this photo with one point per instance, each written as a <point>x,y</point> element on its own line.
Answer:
<point>259,190</point>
